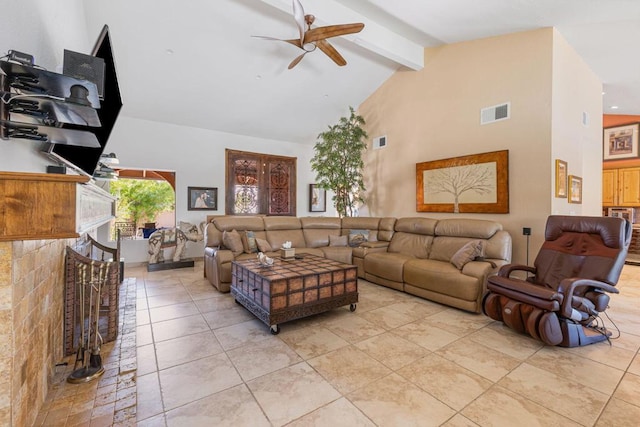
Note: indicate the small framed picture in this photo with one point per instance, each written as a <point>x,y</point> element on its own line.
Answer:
<point>561,178</point>
<point>202,198</point>
<point>620,142</point>
<point>317,199</point>
<point>575,189</point>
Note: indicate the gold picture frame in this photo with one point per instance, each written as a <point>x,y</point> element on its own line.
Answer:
<point>561,179</point>
<point>575,189</point>
<point>482,184</point>
<point>620,142</point>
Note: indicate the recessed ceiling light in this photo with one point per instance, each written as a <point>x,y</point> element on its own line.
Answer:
<point>258,76</point>
<point>604,93</point>
<point>614,107</point>
<point>169,51</point>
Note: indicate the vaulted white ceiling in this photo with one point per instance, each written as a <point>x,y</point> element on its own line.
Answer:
<point>194,62</point>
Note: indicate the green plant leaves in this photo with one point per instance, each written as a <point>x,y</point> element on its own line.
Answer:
<point>338,162</point>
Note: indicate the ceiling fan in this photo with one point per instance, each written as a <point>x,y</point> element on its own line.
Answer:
<point>312,38</point>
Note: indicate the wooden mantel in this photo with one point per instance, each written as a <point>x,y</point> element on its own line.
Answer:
<point>47,206</point>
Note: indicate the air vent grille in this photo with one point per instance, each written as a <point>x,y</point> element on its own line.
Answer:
<point>379,142</point>
<point>495,113</point>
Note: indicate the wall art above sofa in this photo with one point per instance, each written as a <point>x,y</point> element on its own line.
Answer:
<point>478,183</point>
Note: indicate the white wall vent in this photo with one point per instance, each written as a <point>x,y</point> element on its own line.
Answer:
<point>379,142</point>
<point>495,113</point>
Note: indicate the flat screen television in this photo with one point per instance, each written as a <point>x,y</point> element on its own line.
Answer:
<point>86,159</point>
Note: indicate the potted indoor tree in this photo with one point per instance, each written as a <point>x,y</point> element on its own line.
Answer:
<point>338,162</point>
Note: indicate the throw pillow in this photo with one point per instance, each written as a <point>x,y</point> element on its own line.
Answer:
<point>337,240</point>
<point>232,241</point>
<point>263,245</point>
<point>358,236</point>
<point>249,242</point>
<point>470,251</point>
<point>373,236</point>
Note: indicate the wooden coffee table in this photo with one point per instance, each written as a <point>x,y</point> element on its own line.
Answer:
<point>293,289</point>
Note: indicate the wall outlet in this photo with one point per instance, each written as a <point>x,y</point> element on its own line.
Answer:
<point>526,231</point>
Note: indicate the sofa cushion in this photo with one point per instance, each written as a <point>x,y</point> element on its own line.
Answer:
<point>468,252</point>
<point>249,242</point>
<point>277,237</point>
<point>316,230</point>
<point>282,223</point>
<point>386,229</point>
<point>309,251</point>
<point>443,278</point>
<point>318,237</point>
<point>417,245</point>
<point>386,265</point>
<point>443,247</point>
<point>263,245</point>
<point>360,222</point>
<point>239,222</point>
<point>473,228</point>
<point>322,222</point>
<point>417,225</point>
<point>338,253</point>
<point>337,240</point>
<point>232,241</point>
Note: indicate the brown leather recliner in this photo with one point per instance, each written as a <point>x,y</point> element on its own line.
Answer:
<point>566,289</point>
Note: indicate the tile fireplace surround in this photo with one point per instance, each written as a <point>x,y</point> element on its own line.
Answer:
<point>31,332</point>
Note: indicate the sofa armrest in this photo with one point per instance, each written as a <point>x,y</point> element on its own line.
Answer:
<point>368,248</point>
<point>214,259</point>
<point>224,256</point>
<point>374,245</point>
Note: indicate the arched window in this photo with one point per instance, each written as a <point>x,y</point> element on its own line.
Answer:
<point>145,201</point>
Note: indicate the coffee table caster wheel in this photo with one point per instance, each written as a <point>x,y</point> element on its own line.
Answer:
<point>352,307</point>
<point>274,329</point>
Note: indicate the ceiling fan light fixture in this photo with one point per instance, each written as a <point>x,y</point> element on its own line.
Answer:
<point>312,38</point>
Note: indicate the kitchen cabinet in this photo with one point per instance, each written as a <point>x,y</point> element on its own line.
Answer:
<point>621,187</point>
<point>609,187</point>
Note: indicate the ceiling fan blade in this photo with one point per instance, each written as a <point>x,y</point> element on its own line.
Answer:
<point>298,15</point>
<point>331,52</point>
<point>320,33</point>
<point>296,61</point>
<point>294,42</point>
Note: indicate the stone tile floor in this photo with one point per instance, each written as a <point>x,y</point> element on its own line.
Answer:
<point>203,360</point>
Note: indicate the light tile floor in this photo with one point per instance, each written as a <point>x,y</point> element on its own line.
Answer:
<point>396,361</point>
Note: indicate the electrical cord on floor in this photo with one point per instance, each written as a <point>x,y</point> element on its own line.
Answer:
<point>598,325</point>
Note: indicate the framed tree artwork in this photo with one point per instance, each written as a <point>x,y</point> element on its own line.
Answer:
<point>475,183</point>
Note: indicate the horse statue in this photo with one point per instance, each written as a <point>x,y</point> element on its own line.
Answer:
<point>168,237</point>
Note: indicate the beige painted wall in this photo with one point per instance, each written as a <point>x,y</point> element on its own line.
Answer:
<point>577,91</point>
<point>435,114</point>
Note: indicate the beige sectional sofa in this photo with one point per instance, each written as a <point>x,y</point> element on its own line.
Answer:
<point>414,255</point>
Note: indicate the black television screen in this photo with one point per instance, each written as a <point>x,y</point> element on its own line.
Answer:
<point>84,158</point>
